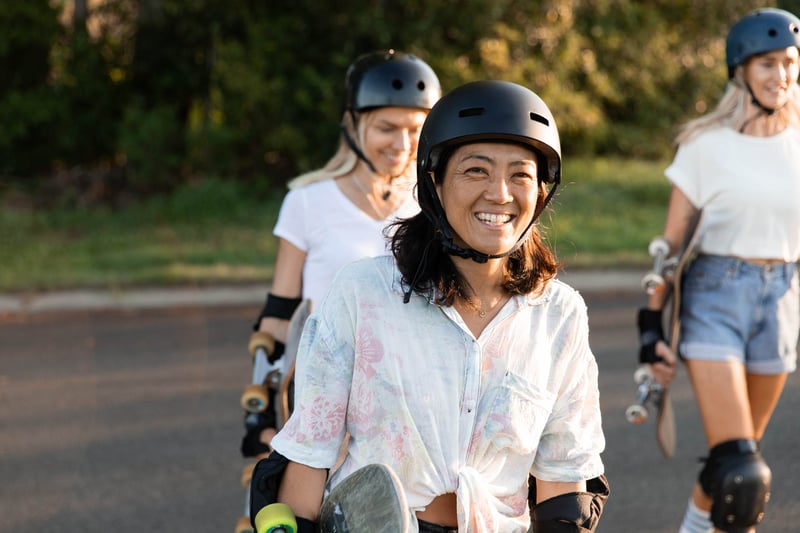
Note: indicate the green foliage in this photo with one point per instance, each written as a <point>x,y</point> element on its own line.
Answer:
<point>28,106</point>
<point>174,90</point>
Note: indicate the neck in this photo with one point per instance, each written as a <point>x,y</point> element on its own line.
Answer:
<point>484,279</point>
<point>374,185</point>
<point>762,125</point>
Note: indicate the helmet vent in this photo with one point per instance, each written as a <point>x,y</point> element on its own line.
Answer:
<point>397,84</point>
<point>794,28</point>
<point>539,118</point>
<point>421,85</point>
<point>471,112</point>
<point>773,32</point>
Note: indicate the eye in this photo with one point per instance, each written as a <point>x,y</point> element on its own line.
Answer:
<point>475,170</point>
<point>525,174</point>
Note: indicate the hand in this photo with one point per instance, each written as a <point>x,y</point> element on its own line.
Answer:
<point>664,371</point>
<point>277,327</point>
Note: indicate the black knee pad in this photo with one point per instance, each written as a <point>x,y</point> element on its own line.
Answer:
<point>267,477</point>
<point>738,480</point>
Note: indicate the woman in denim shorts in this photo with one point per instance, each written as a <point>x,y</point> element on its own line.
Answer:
<point>740,166</point>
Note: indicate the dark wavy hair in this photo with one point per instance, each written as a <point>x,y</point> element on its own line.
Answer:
<point>425,266</point>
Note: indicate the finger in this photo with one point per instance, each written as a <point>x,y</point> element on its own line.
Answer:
<point>663,351</point>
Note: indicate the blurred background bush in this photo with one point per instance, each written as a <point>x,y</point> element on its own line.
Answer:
<point>103,100</point>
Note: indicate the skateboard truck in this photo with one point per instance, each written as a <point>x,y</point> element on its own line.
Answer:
<point>649,392</point>
<point>255,397</point>
<point>663,267</point>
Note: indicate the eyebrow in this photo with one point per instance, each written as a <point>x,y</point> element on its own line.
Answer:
<point>490,159</point>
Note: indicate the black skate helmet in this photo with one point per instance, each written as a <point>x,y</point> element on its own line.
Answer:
<point>484,111</point>
<point>761,31</point>
<point>387,79</point>
<point>390,79</point>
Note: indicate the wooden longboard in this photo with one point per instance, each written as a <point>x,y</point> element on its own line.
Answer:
<point>285,404</point>
<point>648,390</point>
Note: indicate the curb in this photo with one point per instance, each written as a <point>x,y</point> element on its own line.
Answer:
<point>26,303</point>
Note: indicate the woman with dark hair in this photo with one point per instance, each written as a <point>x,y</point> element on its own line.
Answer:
<point>460,363</point>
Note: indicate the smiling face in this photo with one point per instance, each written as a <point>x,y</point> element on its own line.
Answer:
<point>771,74</point>
<point>489,195</point>
<point>390,138</point>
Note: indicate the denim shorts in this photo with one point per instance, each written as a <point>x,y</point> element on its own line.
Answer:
<point>733,310</point>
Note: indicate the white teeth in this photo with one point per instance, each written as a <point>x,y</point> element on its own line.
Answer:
<point>490,218</point>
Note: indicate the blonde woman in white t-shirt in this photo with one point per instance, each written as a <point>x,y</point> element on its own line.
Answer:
<point>740,165</point>
<point>337,214</point>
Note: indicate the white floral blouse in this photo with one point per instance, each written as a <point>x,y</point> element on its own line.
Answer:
<point>448,412</point>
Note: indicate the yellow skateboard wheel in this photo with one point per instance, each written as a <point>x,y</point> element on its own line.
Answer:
<point>276,518</point>
<point>254,398</point>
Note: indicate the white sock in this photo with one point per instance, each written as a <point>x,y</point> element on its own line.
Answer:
<point>696,520</point>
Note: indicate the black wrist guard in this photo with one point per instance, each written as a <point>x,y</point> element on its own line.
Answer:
<point>306,526</point>
<point>574,512</point>
<point>251,443</point>
<point>267,478</point>
<point>278,307</point>
<point>650,332</point>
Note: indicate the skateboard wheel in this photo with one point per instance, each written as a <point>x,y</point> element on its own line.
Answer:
<point>636,414</point>
<point>254,398</point>
<point>658,246</point>
<point>261,339</point>
<point>243,525</point>
<point>651,283</point>
<point>276,518</point>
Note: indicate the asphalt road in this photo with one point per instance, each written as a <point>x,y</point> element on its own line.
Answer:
<point>128,421</point>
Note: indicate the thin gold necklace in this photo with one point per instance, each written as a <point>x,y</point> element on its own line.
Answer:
<point>500,303</point>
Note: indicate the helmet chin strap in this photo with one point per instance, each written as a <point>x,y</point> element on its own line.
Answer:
<point>351,143</point>
<point>758,104</point>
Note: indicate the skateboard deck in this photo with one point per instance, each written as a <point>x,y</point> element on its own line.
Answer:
<point>687,254</point>
<point>370,500</point>
<point>283,380</point>
<point>667,274</point>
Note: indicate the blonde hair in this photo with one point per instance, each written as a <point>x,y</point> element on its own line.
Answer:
<point>344,160</point>
<point>731,110</point>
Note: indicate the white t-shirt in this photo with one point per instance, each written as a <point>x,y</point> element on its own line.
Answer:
<point>321,221</point>
<point>448,412</point>
<point>748,188</point>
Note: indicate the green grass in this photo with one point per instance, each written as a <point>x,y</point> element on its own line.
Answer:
<point>606,212</point>
<point>603,216</point>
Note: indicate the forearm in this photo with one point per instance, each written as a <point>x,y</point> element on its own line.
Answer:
<point>302,489</point>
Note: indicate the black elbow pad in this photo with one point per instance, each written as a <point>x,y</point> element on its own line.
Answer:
<point>574,512</point>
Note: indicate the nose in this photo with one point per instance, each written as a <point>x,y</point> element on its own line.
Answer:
<point>497,190</point>
<point>403,141</point>
<point>783,72</point>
